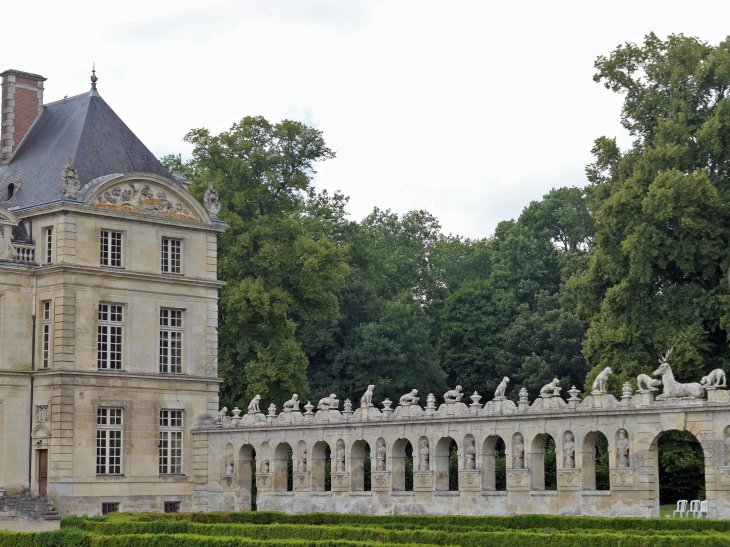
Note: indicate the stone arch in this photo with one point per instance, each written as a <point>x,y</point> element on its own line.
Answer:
<point>650,464</point>
<point>538,454</point>
<point>443,475</point>
<point>490,448</point>
<point>358,471</point>
<point>399,470</point>
<point>244,468</point>
<point>588,456</point>
<point>283,480</point>
<point>318,462</point>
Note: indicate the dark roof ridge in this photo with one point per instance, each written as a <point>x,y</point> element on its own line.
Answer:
<point>66,99</point>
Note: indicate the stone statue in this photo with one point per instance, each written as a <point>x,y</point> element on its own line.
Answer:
<point>501,389</point>
<point>518,450</point>
<point>367,398</point>
<point>210,198</point>
<point>219,417</point>
<point>599,384</point>
<point>253,406</point>
<point>453,396</point>
<point>650,384</point>
<point>410,398</point>
<point>70,179</point>
<point>423,456</point>
<point>381,455</point>
<point>551,390</point>
<point>623,448</point>
<point>672,388</point>
<point>229,468</point>
<point>292,404</point>
<point>569,451</point>
<point>340,456</point>
<point>303,461</point>
<point>265,466</point>
<point>329,403</point>
<point>470,453</point>
<point>716,378</point>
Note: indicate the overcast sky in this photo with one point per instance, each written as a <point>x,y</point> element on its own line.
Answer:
<point>467,109</point>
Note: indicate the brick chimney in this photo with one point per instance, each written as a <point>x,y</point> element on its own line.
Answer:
<point>22,102</point>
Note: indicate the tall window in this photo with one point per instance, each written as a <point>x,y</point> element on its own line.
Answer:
<point>109,336</point>
<point>46,333</point>
<point>171,255</point>
<point>111,249</point>
<point>171,324</point>
<point>49,245</point>
<point>109,441</point>
<point>171,432</point>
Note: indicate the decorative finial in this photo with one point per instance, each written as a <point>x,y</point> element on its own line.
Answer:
<point>93,76</point>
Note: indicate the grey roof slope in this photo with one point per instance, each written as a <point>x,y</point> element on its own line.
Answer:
<point>85,129</point>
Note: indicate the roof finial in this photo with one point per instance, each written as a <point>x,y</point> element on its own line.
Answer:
<point>93,76</point>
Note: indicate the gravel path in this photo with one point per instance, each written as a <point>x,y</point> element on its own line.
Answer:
<point>29,525</point>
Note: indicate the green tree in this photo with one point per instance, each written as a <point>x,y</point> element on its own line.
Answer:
<point>657,277</point>
<point>272,266</point>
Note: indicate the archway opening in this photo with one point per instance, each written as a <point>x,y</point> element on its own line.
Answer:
<point>595,462</point>
<point>494,464</point>
<point>246,476</point>
<point>543,465</point>
<point>681,467</point>
<point>360,466</point>
<point>446,465</point>
<point>283,468</point>
<point>320,457</point>
<point>401,465</point>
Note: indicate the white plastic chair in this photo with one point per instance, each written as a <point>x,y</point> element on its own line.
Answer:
<point>681,508</point>
<point>703,508</point>
<point>694,508</point>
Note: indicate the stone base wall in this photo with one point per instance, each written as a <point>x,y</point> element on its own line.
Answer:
<point>23,506</point>
<point>91,505</point>
<point>595,503</point>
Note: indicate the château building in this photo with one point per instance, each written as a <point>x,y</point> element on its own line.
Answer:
<point>108,308</point>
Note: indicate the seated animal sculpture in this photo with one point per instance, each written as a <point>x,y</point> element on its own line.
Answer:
<point>599,384</point>
<point>650,384</point>
<point>328,403</point>
<point>501,389</point>
<point>410,398</point>
<point>292,404</point>
<point>367,398</point>
<point>253,406</point>
<point>716,378</point>
<point>453,396</point>
<point>672,388</point>
<point>552,389</point>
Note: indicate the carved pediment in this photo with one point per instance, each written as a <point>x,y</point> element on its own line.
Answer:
<point>148,196</point>
<point>7,218</point>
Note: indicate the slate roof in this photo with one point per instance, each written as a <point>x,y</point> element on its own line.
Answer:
<point>85,129</point>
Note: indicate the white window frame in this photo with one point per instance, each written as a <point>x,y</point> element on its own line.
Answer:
<point>170,455</point>
<point>49,245</point>
<point>46,329</point>
<point>111,249</point>
<point>171,255</point>
<point>109,441</point>
<point>110,337</point>
<point>170,353</point>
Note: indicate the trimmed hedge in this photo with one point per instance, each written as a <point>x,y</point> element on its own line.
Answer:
<point>464,537</point>
<point>519,522</point>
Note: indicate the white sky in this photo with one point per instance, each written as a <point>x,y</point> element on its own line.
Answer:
<point>467,109</point>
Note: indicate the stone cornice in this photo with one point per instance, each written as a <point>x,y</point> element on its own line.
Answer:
<point>78,208</point>
<point>124,375</point>
<point>126,274</point>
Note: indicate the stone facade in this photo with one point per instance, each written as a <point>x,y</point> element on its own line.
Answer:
<point>632,427</point>
<point>66,284</point>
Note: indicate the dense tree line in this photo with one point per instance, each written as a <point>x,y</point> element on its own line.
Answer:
<point>612,274</point>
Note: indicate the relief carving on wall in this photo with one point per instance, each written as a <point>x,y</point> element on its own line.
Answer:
<point>138,196</point>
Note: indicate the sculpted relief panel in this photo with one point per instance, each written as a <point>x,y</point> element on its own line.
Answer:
<point>145,197</point>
